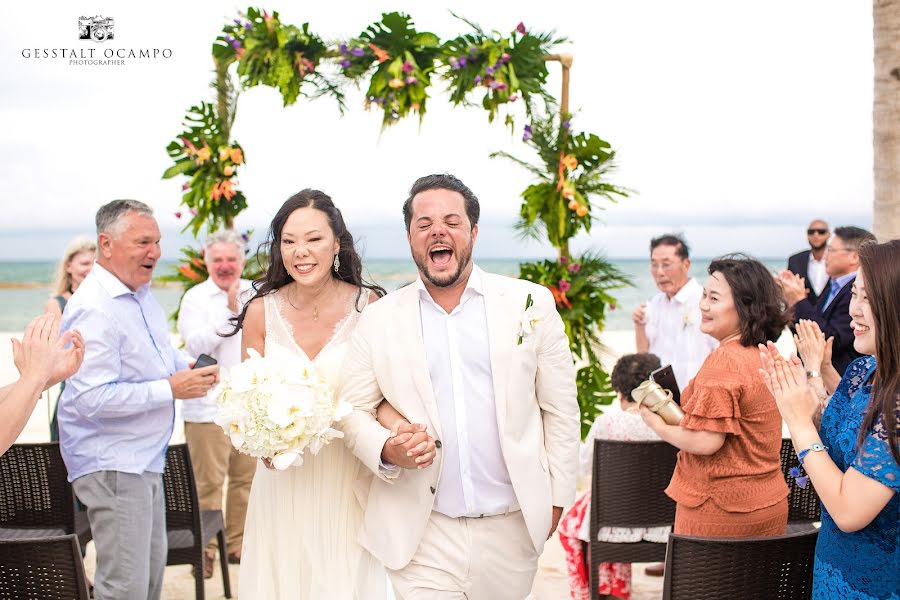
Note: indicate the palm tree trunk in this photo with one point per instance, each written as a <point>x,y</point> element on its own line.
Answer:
<point>886,118</point>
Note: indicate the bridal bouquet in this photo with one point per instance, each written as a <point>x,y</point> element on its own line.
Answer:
<point>271,407</point>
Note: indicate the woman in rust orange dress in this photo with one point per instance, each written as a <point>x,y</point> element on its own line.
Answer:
<point>728,480</point>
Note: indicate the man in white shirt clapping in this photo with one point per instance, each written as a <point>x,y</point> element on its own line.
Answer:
<point>205,313</point>
<point>669,325</point>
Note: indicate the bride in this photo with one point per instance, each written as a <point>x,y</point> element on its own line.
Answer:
<point>302,523</point>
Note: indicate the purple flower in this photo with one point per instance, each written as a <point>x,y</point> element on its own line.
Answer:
<point>526,135</point>
<point>477,79</point>
<point>454,63</point>
<point>563,260</point>
<point>489,71</point>
<point>411,80</point>
<point>357,51</point>
<point>238,22</point>
<point>407,67</point>
<point>564,286</point>
<point>229,39</point>
<point>236,44</point>
<point>498,85</point>
<point>343,48</point>
<point>248,25</point>
<point>185,187</point>
<point>245,237</point>
<point>521,27</point>
<point>574,267</point>
<point>177,214</point>
<point>566,124</point>
<point>473,51</point>
<point>462,61</point>
<point>345,63</point>
<point>504,57</point>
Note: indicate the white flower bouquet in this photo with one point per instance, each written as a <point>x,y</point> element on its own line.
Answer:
<point>272,407</point>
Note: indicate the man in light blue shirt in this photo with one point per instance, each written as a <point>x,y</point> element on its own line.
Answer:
<point>117,412</point>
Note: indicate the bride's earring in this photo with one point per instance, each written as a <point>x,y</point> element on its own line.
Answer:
<point>337,263</point>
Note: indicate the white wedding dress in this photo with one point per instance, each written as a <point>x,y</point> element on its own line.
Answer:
<point>302,523</point>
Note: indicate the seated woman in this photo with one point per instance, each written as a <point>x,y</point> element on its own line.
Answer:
<point>574,528</point>
<point>853,459</point>
<point>728,481</point>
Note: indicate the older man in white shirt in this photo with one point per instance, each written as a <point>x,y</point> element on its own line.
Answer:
<point>205,314</point>
<point>669,325</point>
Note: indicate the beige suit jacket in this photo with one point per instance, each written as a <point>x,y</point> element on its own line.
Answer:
<point>536,406</point>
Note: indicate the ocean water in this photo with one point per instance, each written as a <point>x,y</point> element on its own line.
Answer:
<point>25,286</point>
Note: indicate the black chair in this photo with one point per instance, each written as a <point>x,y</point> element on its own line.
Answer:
<point>804,506</point>
<point>628,490</point>
<point>189,529</point>
<point>36,498</point>
<point>774,568</point>
<point>44,568</point>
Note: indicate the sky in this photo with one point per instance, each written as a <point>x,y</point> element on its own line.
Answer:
<point>733,123</point>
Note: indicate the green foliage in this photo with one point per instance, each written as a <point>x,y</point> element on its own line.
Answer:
<point>573,174</point>
<point>581,287</point>
<point>404,61</point>
<point>202,154</point>
<point>504,68</point>
<point>271,53</point>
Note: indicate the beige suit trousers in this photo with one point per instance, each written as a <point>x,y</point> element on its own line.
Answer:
<point>489,558</point>
<point>214,459</point>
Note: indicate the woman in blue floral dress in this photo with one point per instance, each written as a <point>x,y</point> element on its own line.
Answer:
<point>852,460</point>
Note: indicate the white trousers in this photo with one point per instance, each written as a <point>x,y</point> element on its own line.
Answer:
<point>491,558</point>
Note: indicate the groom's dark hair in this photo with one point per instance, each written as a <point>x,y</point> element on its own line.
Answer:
<point>442,181</point>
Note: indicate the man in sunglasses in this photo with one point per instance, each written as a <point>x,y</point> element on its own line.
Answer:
<point>810,264</point>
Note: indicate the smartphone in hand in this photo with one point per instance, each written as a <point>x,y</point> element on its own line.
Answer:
<point>665,377</point>
<point>204,360</point>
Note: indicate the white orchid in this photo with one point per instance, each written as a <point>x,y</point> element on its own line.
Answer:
<point>272,407</point>
<point>529,320</point>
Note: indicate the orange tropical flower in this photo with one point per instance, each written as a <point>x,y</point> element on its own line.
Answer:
<point>570,162</point>
<point>237,156</point>
<point>224,153</point>
<point>396,83</point>
<point>573,204</point>
<point>189,148</point>
<point>569,193</point>
<point>203,154</point>
<point>562,173</point>
<point>380,54</point>
<point>228,171</point>
<point>190,273</point>
<point>581,210</point>
<point>559,297</point>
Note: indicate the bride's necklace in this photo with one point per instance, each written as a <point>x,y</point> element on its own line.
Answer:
<point>315,305</point>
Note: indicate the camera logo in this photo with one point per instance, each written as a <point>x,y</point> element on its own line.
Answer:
<point>96,28</point>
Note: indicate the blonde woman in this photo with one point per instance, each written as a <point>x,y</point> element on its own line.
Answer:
<point>71,271</point>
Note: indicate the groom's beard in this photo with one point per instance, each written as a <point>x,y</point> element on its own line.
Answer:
<point>463,257</point>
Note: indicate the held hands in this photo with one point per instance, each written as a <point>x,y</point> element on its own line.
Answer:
<point>786,380</point>
<point>409,446</point>
<point>811,345</point>
<point>193,383</point>
<point>42,355</point>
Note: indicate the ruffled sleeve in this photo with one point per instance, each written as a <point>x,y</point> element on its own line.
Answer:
<point>713,407</point>
<point>875,460</point>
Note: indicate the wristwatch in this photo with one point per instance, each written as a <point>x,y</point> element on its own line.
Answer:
<point>813,374</point>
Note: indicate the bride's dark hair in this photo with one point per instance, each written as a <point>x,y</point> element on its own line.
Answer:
<point>276,275</point>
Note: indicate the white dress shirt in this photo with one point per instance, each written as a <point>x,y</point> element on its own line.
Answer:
<point>204,314</point>
<point>673,330</point>
<point>474,479</point>
<point>816,275</point>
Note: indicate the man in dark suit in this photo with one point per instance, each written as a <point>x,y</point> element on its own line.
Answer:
<point>810,264</point>
<point>832,311</point>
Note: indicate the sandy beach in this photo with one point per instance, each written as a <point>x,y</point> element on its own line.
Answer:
<point>550,583</point>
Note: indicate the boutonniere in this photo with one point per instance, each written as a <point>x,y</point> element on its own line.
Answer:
<point>687,320</point>
<point>529,320</point>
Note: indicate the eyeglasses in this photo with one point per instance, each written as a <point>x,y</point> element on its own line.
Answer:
<point>819,231</point>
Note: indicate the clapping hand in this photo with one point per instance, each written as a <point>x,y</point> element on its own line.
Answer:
<point>794,287</point>
<point>786,380</point>
<point>46,357</point>
<point>812,345</point>
<point>409,446</point>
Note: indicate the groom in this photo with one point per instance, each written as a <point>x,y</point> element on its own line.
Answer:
<point>499,401</point>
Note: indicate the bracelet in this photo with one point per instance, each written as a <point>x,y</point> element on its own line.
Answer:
<point>813,374</point>
<point>795,472</point>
